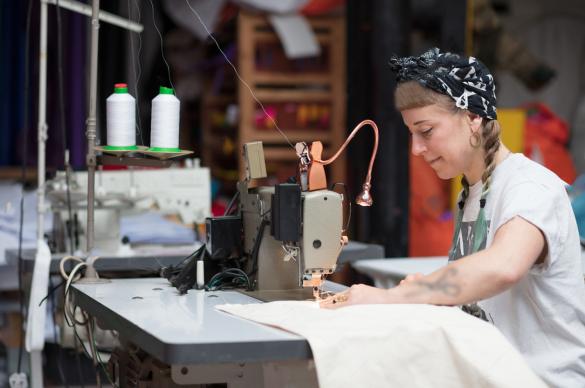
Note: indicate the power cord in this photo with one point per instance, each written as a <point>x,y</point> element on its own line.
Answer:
<point>70,314</point>
<point>346,199</point>
<point>229,279</point>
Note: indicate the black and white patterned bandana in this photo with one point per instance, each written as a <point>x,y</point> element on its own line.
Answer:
<point>465,80</point>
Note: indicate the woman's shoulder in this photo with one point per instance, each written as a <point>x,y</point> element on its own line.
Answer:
<point>517,169</point>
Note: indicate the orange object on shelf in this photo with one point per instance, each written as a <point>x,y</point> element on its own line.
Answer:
<point>546,139</point>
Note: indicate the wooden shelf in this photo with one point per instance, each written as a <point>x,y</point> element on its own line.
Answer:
<point>275,95</point>
<point>270,37</point>
<point>262,77</point>
<point>289,88</point>
<point>14,174</point>
<point>275,86</point>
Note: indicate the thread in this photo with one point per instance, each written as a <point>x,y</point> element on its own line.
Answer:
<point>136,68</point>
<point>194,12</point>
<point>121,119</point>
<point>164,125</point>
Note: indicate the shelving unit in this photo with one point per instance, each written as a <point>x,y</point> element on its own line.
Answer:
<point>219,149</point>
<point>306,97</point>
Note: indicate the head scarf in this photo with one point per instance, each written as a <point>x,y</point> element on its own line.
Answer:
<point>466,80</point>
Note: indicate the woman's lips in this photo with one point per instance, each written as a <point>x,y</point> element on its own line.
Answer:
<point>433,161</point>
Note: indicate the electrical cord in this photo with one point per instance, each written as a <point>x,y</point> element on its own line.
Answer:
<point>346,198</point>
<point>183,276</point>
<point>62,266</point>
<point>235,276</point>
<point>231,203</point>
<point>256,247</point>
<point>55,333</point>
<point>72,321</point>
<point>52,290</point>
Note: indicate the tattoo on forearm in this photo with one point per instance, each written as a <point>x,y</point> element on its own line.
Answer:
<point>443,284</point>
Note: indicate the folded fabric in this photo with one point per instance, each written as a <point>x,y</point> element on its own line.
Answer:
<point>154,228</point>
<point>397,345</point>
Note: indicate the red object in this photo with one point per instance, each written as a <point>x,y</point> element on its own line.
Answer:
<point>430,232</point>
<point>319,7</point>
<point>218,208</point>
<point>120,85</point>
<point>545,141</point>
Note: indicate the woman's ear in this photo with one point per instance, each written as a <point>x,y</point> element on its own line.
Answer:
<point>474,121</point>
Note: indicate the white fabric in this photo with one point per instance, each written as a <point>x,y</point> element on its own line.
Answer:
<point>544,314</point>
<point>37,311</point>
<point>398,345</point>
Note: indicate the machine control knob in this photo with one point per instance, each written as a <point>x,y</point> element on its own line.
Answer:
<point>316,244</point>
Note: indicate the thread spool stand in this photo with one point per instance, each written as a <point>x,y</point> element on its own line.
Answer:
<point>140,157</point>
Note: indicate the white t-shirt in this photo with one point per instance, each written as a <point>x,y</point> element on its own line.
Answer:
<point>543,315</point>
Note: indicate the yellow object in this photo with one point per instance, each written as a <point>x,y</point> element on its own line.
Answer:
<point>512,122</point>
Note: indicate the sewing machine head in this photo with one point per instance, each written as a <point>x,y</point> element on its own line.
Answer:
<point>305,236</point>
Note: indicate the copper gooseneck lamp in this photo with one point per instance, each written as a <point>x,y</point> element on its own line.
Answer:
<point>364,198</point>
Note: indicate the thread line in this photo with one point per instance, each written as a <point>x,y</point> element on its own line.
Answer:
<point>136,64</point>
<point>238,74</point>
<point>162,51</point>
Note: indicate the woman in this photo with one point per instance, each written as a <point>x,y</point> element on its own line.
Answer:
<point>515,256</point>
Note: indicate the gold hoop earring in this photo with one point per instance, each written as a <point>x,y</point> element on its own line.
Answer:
<point>475,140</point>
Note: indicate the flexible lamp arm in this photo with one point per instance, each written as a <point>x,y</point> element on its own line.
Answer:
<point>364,198</point>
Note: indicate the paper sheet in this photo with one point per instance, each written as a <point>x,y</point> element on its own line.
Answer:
<point>296,35</point>
<point>398,345</point>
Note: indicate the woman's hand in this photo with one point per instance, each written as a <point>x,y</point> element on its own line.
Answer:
<point>411,278</point>
<point>357,294</point>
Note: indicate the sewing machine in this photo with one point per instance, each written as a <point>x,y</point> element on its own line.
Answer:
<point>174,191</point>
<point>305,236</point>
<point>292,257</point>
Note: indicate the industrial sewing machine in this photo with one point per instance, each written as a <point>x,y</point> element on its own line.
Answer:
<point>291,233</point>
<point>305,236</point>
<point>184,192</point>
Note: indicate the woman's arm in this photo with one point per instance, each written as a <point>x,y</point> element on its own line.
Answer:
<point>517,245</point>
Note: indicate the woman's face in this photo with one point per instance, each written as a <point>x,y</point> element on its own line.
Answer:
<point>442,139</point>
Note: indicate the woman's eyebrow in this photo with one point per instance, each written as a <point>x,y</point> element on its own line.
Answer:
<point>420,122</point>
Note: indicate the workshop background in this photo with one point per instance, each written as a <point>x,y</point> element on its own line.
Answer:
<point>535,48</point>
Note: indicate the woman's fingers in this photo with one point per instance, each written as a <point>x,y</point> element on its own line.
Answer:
<point>411,278</point>
<point>335,301</point>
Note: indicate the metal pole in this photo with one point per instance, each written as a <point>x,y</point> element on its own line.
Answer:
<point>35,354</point>
<point>42,124</point>
<point>104,16</point>
<point>91,122</point>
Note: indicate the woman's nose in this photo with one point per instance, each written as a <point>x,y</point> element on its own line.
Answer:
<point>417,146</point>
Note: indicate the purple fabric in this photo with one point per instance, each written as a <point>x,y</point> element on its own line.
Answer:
<point>76,89</point>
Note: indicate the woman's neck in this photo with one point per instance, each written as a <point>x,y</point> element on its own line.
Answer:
<point>478,167</point>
